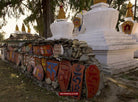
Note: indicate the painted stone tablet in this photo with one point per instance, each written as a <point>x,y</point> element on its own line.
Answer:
<point>46,50</point>
<point>37,60</point>
<point>64,75</point>
<point>92,78</point>
<point>52,68</point>
<point>38,72</point>
<point>20,60</point>
<point>77,78</point>
<point>31,65</point>
<point>58,50</point>
<point>36,50</point>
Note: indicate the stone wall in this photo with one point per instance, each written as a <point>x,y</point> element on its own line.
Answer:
<point>63,65</point>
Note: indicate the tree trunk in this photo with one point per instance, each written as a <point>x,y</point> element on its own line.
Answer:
<point>135,10</point>
<point>48,17</point>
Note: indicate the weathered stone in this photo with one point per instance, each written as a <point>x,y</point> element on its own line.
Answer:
<point>48,81</point>
<point>83,44</point>
<point>84,58</point>
<point>55,84</point>
<point>91,55</point>
<point>76,42</point>
<point>89,50</point>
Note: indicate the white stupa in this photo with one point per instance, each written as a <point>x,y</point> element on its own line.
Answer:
<point>114,50</point>
<point>61,28</point>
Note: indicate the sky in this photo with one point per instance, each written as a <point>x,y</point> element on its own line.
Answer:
<point>10,26</point>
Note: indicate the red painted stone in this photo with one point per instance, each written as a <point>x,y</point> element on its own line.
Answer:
<point>36,49</point>
<point>46,50</point>
<point>20,59</point>
<point>25,60</point>
<point>38,72</point>
<point>52,68</point>
<point>64,75</point>
<point>92,77</point>
<point>77,79</point>
<point>16,57</point>
<point>8,55</point>
<point>31,64</point>
<point>37,60</point>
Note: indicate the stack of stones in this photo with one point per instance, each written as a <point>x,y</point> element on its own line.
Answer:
<point>74,51</point>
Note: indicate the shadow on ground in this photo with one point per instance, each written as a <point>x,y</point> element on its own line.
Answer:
<point>16,87</point>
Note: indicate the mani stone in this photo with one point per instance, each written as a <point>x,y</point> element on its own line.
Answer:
<point>84,58</point>
<point>48,81</point>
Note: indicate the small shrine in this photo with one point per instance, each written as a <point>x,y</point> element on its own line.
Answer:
<point>61,28</point>
<point>130,26</point>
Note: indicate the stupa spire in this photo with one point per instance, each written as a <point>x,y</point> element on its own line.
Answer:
<point>23,28</point>
<point>129,12</point>
<point>61,14</point>
<point>17,28</point>
<point>99,1</point>
<point>29,30</point>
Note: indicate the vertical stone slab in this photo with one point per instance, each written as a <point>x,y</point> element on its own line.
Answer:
<point>31,64</point>
<point>64,75</point>
<point>92,78</point>
<point>46,50</point>
<point>52,68</point>
<point>20,59</point>
<point>38,72</point>
<point>77,79</point>
<point>43,61</point>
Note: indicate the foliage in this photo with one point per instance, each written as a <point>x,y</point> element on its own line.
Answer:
<point>42,11</point>
<point>1,36</point>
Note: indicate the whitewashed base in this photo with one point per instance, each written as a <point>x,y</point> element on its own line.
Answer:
<point>117,61</point>
<point>119,67</point>
<point>114,50</point>
<point>136,54</point>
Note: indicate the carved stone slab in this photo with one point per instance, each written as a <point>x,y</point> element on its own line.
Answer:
<point>58,50</point>
<point>36,50</point>
<point>31,64</point>
<point>20,59</point>
<point>52,68</point>
<point>46,50</point>
<point>64,75</point>
<point>92,77</point>
<point>29,48</point>
<point>15,57</point>
<point>8,55</point>
<point>38,72</point>
<point>43,60</point>
<point>37,60</point>
<point>77,79</point>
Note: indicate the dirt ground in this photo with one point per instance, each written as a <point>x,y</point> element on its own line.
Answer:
<point>16,87</point>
